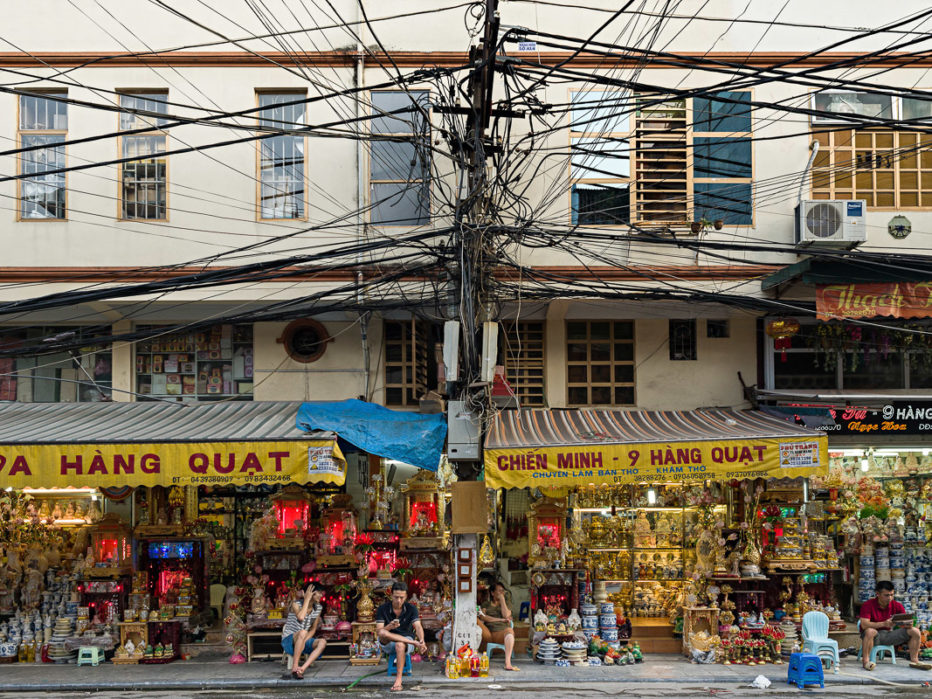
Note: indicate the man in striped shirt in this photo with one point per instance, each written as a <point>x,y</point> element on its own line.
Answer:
<point>299,629</point>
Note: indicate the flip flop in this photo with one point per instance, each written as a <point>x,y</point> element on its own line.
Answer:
<point>513,669</point>
<point>297,675</point>
<point>920,666</point>
<point>870,666</point>
<point>397,689</point>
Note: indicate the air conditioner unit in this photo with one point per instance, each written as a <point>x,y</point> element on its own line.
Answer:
<point>836,223</point>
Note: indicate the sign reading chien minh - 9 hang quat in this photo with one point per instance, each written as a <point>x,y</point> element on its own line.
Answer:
<point>681,462</point>
<point>198,463</point>
<point>616,451</point>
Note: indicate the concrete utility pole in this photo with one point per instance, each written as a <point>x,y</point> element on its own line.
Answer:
<point>472,217</point>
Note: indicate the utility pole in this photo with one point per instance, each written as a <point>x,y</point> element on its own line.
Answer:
<point>472,218</point>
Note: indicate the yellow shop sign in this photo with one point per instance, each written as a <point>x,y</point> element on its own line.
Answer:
<point>170,463</point>
<point>561,466</point>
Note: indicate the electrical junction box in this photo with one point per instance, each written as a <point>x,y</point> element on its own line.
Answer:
<point>462,432</point>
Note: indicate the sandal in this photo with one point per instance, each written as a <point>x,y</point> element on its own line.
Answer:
<point>513,669</point>
<point>297,675</point>
<point>870,666</point>
<point>920,666</point>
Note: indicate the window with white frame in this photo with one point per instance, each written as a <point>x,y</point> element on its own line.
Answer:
<point>144,182</point>
<point>282,157</point>
<point>399,158</point>
<point>43,127</point>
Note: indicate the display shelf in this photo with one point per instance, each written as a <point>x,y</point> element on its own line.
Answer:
<point>216,363</point>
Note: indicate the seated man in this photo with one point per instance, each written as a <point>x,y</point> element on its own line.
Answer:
<point>299,629</point>
<point>877,627</point>
<point>397,624</point>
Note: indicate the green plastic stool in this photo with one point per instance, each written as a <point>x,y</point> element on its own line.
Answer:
<point>90,655</point>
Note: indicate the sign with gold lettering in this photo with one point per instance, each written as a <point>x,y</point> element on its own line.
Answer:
<point>200,463</point>
<point>899,299</point>
<point>656,462</point>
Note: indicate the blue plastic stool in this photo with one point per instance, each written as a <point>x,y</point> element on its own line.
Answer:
<point>393,664</point>
<point>878,651</point>
<point>525,611</point>
<point>490,647</point>
<point>805,668</point>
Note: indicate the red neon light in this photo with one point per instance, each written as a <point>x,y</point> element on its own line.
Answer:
<point>423,515</point>
<point>107,550</point>
<point>291,514</point>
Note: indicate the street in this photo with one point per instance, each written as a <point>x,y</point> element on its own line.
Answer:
<point>672,689</point>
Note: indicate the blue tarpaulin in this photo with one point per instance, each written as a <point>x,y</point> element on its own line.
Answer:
<point>411,438</point>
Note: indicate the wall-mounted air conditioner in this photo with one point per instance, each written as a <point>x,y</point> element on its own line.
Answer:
<point>836,223</point>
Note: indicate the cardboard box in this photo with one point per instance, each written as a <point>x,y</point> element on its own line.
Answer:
<point>470,504</point>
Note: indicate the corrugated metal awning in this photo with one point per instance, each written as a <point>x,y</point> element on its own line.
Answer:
<point>157,421</point>
<point>161,443</point>
<point>556,447</point>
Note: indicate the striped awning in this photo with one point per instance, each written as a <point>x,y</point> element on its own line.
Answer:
<point>162,443</point>
<point>573,447</point>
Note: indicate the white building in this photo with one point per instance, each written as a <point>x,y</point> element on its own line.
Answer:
<point>650,145</point>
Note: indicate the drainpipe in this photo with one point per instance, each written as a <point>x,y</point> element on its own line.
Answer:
<point>814,147</point>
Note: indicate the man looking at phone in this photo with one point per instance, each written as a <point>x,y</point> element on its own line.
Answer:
<point>879,628</point>
<point>397,626</point>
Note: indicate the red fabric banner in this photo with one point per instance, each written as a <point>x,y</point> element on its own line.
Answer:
<point>900,300</point>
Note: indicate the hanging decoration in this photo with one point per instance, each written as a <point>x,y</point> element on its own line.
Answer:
<point>782,330</point>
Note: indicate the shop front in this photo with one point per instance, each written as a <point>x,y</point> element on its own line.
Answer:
<point>117,520</point>
<point>662,531</point>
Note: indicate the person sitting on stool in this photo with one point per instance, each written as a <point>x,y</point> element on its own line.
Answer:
<point>300,627</point>
<point>877,627</point>
<point>397,625</point>
<point>495,621</point>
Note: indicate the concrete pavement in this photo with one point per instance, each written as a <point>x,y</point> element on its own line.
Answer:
<point>216,673</point>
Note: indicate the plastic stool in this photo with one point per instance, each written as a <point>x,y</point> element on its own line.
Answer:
<point>393,664</point>
<point>805,668</point>
<point>525,612</point>
<point>90,655</point>
<point>489,647</point>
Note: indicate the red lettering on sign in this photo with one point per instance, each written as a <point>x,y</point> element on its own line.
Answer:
<point>121,465</point>
<point>97,466</point>
<point>150,463</point>
<point>278,456</point>
<point>230,465</point>
<point>251,462</point>
<point>20,465</point>
<point>68,465</point>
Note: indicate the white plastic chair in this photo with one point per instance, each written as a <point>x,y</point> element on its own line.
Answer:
<point>815,637</point>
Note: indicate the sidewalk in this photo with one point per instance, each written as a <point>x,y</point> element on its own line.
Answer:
<point>217,673</point>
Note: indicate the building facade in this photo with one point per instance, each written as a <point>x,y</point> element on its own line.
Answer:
<point>653,175</point>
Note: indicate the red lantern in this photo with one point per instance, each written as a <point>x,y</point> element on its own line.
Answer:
<point>781,330</point>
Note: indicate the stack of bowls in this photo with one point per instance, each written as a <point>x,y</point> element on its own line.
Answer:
<point>882,563</point>
<point>608,622</point>
<point>548,652</point>
<point>898,567</point>
<point>589,613</point>
<point>867,580</point>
